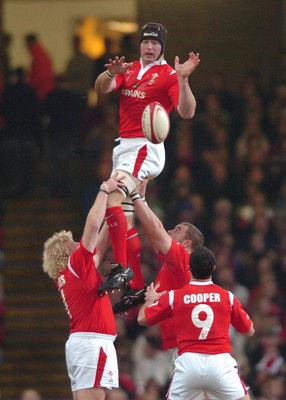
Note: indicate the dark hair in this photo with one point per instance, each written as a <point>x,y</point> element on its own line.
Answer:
<point>31,38</point>
<point>202,262</point>
<point>155,31</point>
<point>194,234</point>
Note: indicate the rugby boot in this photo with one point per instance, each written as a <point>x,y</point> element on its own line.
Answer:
<point>117,278</point>
<point>131,298</point>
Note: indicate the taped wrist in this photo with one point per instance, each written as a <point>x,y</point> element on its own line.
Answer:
<point>135,196</point>
<point>110,75</point>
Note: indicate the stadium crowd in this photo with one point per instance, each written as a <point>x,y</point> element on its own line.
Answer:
<point>225,173</point>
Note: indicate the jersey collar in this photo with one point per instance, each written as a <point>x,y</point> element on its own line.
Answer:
<point>143,70</point>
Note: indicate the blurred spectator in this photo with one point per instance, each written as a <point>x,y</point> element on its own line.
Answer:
<point>213,113</point>
<point>63,118</point>
<point>181,186</point>
<point>218,86</point>
<point>128,47</point>
<point>110,52</point>
<point>220,184</point>
<point>225,276</point>
<point>30,394</point>
<point>98,131</point>
<point>252,137</point>
<point>22,134</point>
<point>152,391</point>
<point>79,70</point>
<point>199,216</point>
<point>273,388</point>
<point>123,347</point>
<point>183,149</point>
<point>271,364</point>
<point>150,361</point>
<point>41,73</point>
<point>277,103</point>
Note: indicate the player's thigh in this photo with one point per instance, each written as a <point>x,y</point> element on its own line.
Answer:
<point>91,394</point>
<point>139,157</point>
<point>188,379</point>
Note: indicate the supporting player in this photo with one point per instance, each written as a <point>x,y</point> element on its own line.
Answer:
<point>90,353</point>
<point>173,249</point>
<point>203,313</point>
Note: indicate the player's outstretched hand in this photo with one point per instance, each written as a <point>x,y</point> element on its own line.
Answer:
<point>118,65</point>
<point>151,296</point>
<point>185,69</point>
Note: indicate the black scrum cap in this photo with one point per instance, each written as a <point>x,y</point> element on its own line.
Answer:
<point>155,31</point>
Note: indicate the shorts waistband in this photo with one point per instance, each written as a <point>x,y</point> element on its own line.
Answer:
<point>140,141</point>
<point>93,335</point>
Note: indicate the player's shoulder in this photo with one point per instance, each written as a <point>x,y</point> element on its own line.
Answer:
<point>177,247</point>
<point>135,65</point>
<point>167,69</point>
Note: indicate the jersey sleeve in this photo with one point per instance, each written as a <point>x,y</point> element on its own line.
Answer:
<point>81,264</point>
<point>176,260</point>
<point>239,317</point>
<point>173,88</point>
<point>160,310</point>
<point>118,79</point>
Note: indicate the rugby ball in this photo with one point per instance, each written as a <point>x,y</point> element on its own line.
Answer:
<point>155,122</point>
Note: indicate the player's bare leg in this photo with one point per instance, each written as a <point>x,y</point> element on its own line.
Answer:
<point>89,394</point>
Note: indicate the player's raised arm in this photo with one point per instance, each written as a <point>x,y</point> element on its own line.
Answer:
<point>187,102</point>
<point>153,227</point>
<point>105,82</point>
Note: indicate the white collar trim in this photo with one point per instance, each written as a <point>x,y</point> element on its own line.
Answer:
<point>144,69</point>
<point>201,283</point>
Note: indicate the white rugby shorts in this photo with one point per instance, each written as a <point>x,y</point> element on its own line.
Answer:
<point>91,361</point>
<point>197,375</point>
<point>139,157</point>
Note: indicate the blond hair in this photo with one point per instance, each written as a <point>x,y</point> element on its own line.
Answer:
<point>56,253</point>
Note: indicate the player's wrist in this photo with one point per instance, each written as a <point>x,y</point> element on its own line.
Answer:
<point>104,188</point>
<point>110,75</point>
<point>135,196</point>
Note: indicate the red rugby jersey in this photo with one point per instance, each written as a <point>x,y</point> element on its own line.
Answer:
<point>141,86</point>
<point>174,274</point>
<point>78,284</point>
<point>202,313</point>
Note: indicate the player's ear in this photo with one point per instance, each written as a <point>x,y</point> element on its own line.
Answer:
<point>187,243</point>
